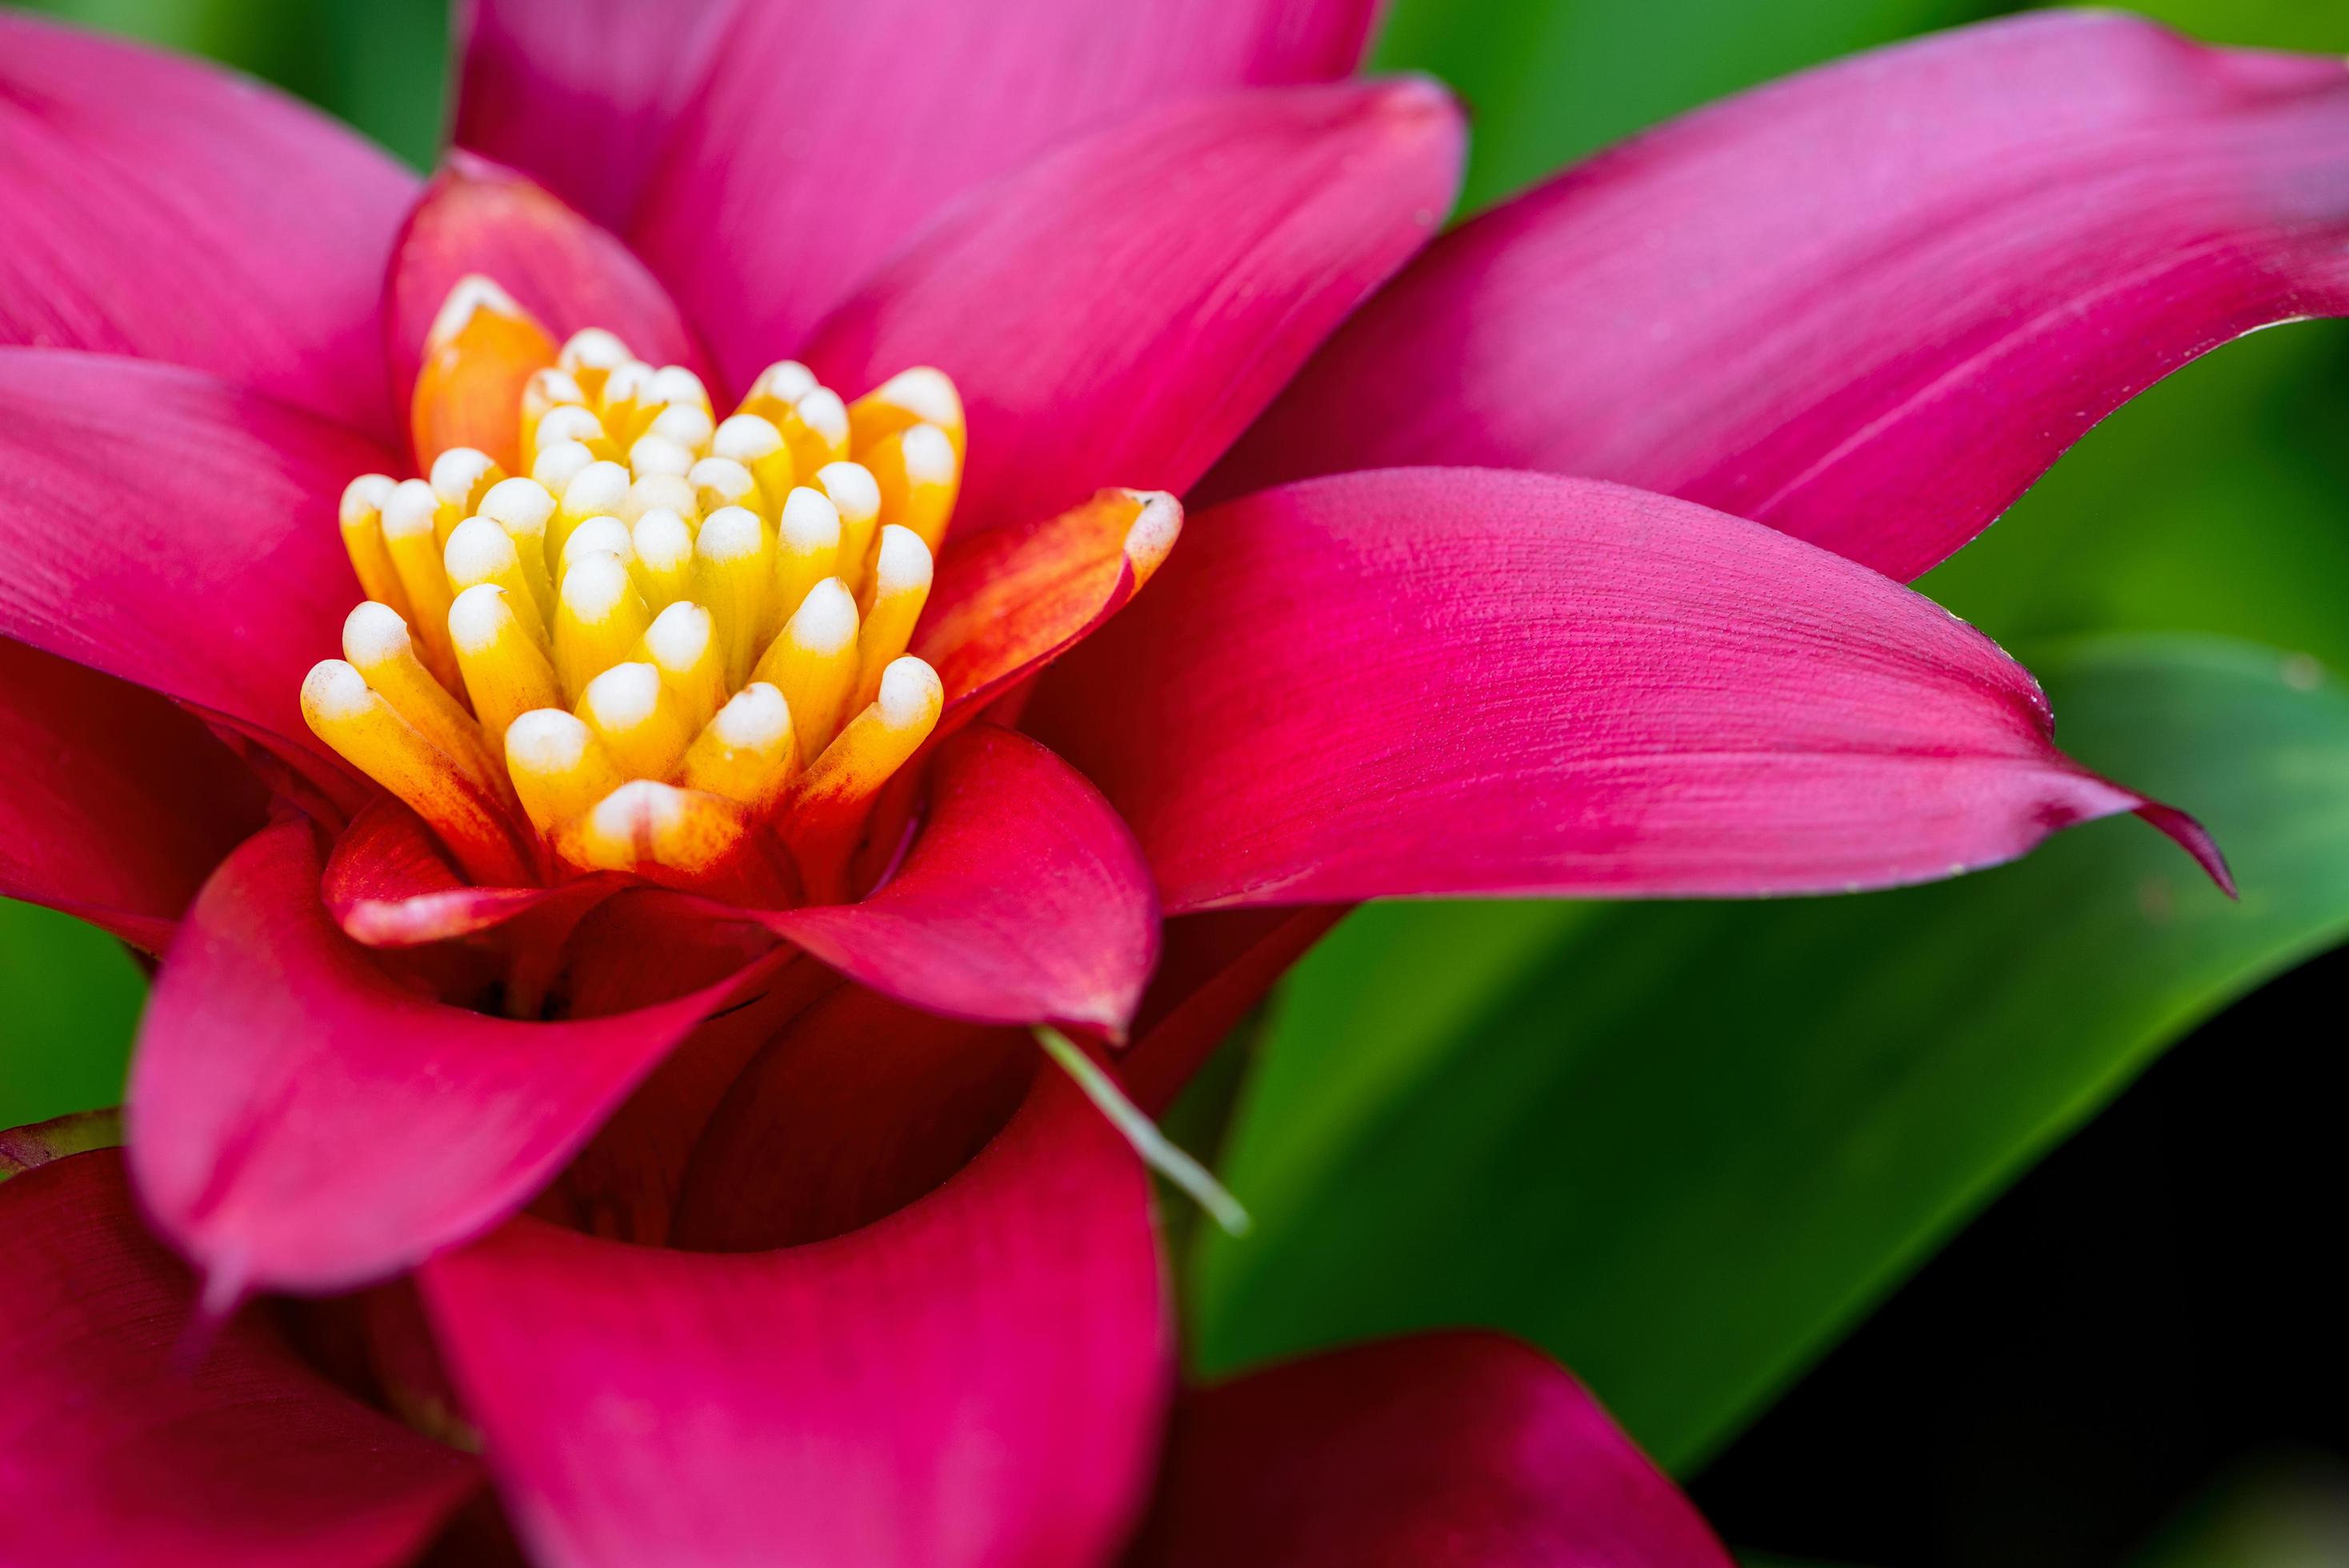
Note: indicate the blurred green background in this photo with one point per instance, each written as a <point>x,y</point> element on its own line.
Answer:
<point>1687,1148</point>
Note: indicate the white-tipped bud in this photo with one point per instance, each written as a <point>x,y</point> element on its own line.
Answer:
<point>363,497</point>
<point>375,633</point>
<point>746,438</point>
<point>569,422</point>
<point>851,488</point>
<point>658,454</point>
<point>674,385</point>
<point>409,510</point>
<point>520,506</point>
<point>660,493</point>
<point>599,489</point>
<point>472,293</point>
<point>607,534</point>
<point>556,465</point>
<point>687,424</point>
<point>787,380</point>
<point>904,563</point>
<point>810,522</point>
<point>479,550</point>
<point>456,472</point>
<point>334,691</point>
<point>911,693</point>
<point>826,415</point>
<point>593,348</point>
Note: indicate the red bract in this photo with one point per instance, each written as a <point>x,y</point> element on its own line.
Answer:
<point>818,1268</point>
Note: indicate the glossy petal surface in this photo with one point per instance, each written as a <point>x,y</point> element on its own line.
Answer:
<point>1426,681</point>
<point>1868,304</point>
<point>155,207</point>
<point>129,1438</point>
<point>978,1378</point>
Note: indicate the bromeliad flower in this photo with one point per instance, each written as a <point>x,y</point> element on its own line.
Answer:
<point>691,828</point>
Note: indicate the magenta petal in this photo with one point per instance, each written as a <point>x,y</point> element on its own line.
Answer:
<point>475,217</point>
<point>388,885</point>
<point>856,1110</point>
<point>174,531</point>
<point>829,132</point>
<point>1463,681</point>
<point>1868,305</point>
<point>127,1438</point>
<point>1444,1451</point>
<point>155,207</point>
<point>301,1121</point>
<point>977,1379</point>
<point>1117,312</point>
<point>581,93</point>
<point>1023,901</point>
<point>114,805</point>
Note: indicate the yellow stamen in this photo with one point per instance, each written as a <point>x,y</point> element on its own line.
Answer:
<point>814,663</point>
<point>921,395</point>
<point>409,516</point>
<point>590,355</point>
<point>752,441</point>
<point>733,579</point>
<point>377,643</point>
<point>648,828</point>
<point>362,523</point>
<point>721,482</point>
<point>560,770</point>
<point>662,543</point>
<point>807,548</point>
<point>816,429</point>
<point>901,584</point>
<point>599,489</point>
<point>661,492</point>
<point>523,508</point>
<point>682,644</point>
<point>460,477</point>
<point>746,752</point>
<point>598,616</point>
<point>556,465</point>
<point>507,674</point>
<point>827,810</point>
<point>481,552</point>
<point>640,720</point>
<point>655,453</point>
<point>372,736</point>
<point>687,424</point>
<point>608,535</point>
<point>779,386</point>
<point>676,645</point>
<point>850,487</point>
<point>919,477</point>
<point>546,390</point>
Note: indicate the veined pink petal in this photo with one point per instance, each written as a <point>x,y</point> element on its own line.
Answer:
<point>1117,312</point>
<point>1465,681</point>
<point>1023,898</point>
<point>1868,305</point>
<point>476,217</point>
<point>300,1120</point>
<point>176,532</point>
<point>581,93</point>
<point>114,805</point>
<point>978,1378</point>
<point>859,1108</point>
<point>1443,1450</point>
<point>827,133</point>
<point>126,1440</point>
<point>155,207</point>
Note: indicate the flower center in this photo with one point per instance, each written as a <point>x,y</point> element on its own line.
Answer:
<point>668,643</point>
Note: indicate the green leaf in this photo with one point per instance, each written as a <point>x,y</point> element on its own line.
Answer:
<point>1551,80</point>
<point>1687,1144</point>
<point>70,999</point>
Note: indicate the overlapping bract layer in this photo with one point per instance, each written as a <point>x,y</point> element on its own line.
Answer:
<point>613,632</point>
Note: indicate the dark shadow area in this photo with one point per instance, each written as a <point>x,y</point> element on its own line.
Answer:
<point>2141,1319</point>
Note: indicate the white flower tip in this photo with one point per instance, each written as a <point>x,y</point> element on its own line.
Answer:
<point>472,293</point>
<point>729,533</point>
<point>373,633</point>
<point>810,521</point>
<point>825,621</point>
<point>409,510</point>
<point>519,505</point>
<point>911,693</point>
<point>904,561</point>
<point>852,487</point>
